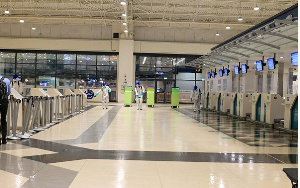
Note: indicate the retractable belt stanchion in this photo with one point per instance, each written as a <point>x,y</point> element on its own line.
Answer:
<point>81,103</point>
<point>14,117</point>
<point>36,106</point>
<point>67,105</point>
<point>62,102</point>
<point>44,112</point>
<point>38,120</point>
<point>56,111</point>
<point>51,111</point>
<point>78,103</point>
<point>47,112</point>
<point>8,117</point>
<point>26,108</point>
<point>73,98</point>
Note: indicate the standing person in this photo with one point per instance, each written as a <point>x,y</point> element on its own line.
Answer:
<point>17,84</point>
<point>139,92</point>
<point>195,97</point>
<point>105,95</point>
<point>4,93</point>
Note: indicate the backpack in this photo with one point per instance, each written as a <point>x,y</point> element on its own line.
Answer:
<point>3,89</point>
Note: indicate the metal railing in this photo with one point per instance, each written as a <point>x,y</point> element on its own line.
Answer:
<point>39,113</point>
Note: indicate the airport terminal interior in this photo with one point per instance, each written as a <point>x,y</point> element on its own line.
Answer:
<point>149,93</point>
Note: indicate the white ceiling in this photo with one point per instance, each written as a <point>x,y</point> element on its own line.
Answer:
<point>208,14</point>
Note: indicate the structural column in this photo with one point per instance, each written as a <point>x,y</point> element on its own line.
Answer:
<point>126,67</point>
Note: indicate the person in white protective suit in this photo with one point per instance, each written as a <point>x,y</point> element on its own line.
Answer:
<point>105,95</point>
<point>196,98</point>
<point>139,92</point>
<point>17,84</point>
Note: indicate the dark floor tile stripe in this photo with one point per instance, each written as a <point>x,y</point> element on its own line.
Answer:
<point>98,129</point>
<point>163,156</point>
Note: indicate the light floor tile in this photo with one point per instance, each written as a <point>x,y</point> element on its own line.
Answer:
<point>73,127</point>
<point>9,180</point>
<point>114,173</point>
<point>27,152</point>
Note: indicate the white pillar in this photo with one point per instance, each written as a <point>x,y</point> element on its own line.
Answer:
<point>126,67</point>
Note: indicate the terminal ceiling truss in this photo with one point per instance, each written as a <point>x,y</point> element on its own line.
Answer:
<point>269,37</point>
<point>210,14</point>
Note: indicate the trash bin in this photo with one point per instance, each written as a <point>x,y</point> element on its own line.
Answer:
<point>128,96</point>
<point>175,97</point>
<point>150,96</point>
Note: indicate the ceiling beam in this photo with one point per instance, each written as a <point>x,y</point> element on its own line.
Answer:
<point>285,21</point>
<point>246,48</point>
<point>241,54</point>
<point>277,35</point>
<point>260,42</point>
<point>228,57</point>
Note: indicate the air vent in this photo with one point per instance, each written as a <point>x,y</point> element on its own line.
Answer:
<point>115,35</point>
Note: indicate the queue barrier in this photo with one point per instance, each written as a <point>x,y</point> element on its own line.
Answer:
<point>39,113</point>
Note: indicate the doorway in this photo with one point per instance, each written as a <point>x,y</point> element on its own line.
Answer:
<point>163,90</point>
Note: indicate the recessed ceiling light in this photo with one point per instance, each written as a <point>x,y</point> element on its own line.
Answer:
<point>217,34</point>
<point>33,28</point>
<point>256,8</point>
<point>126,31</point>
<point>22,21</point>
<point>123,3</point>
<point>6,12</point>
<point>281,57</point>
<point>123,14</point>
<point>227,27</point>
<point>124,23</point>
<point>240,19</point>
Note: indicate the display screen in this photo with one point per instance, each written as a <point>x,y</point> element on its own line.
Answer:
<point>271,64</point>
<point>294,57</point>
<point>259,66</point>
<point>221,72</point>
<point>226,72</point>
<point>44,83</point>
<point>208,75</point>
<point>244,68</point>
<point>236,69</point>
<point>213,74</point>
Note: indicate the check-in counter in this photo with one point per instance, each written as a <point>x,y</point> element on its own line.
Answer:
<point>206,100</point>
<point>244,104</point>
<point>233,104</point>
<point>225,102</point>
<point>272,108</point>
<point>256,106</point>
<point>291,112</point>
<point>213,100</point>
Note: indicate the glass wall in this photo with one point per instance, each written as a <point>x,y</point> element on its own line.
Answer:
<point>45,69</point>
<point>7,64</point>
<point>160,71</point>
<point>56,69</point>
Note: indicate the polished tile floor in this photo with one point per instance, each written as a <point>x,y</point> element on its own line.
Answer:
<point>157,148</point>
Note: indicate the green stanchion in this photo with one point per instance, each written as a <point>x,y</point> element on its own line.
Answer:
<point>128,96</point>
<point>175,97</point>
<point>150,96</point>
